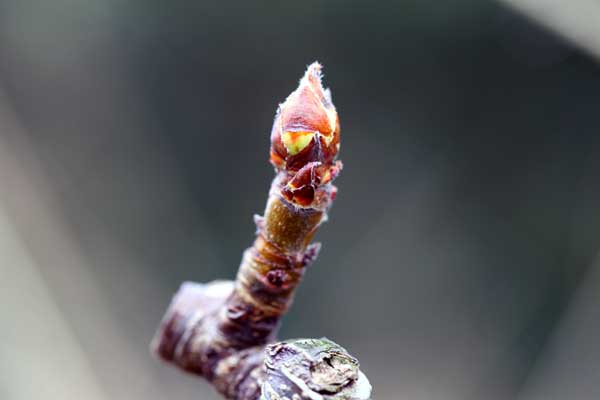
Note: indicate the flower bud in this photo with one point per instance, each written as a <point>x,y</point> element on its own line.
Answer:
<point>306,128</point>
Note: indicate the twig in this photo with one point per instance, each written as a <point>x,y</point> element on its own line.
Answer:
<point>220,330</point>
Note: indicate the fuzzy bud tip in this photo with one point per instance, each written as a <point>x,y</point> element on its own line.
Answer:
<point>306,128</point>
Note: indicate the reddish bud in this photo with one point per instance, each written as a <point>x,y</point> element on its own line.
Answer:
<point>302,187</point>
<point>306,128</point>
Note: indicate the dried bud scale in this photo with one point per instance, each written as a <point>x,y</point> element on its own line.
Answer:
<point>220,330</point>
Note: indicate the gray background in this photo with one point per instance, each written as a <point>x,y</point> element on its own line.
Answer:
<point>458,262</point>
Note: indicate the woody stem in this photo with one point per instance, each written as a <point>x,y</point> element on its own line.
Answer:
<point>220,330</point>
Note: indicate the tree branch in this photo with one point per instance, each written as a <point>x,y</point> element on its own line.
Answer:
<point>220,330</point>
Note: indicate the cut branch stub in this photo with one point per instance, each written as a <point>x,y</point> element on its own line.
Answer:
<point>312,369</point>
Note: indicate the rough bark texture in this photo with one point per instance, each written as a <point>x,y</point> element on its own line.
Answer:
<point>220,330</point>
<point>315,369</point>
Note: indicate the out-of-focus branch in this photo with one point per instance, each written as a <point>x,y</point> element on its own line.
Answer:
<point>220,330</point>
<point>578,21</point>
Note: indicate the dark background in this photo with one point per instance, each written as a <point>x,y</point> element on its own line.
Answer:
<point>458,262</point>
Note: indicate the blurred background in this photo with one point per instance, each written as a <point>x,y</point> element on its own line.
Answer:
<point>460,259</point>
